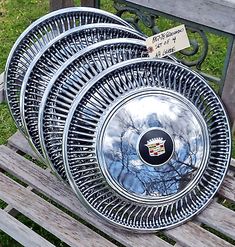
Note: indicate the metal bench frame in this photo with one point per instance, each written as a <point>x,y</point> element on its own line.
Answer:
<point>203,17</point>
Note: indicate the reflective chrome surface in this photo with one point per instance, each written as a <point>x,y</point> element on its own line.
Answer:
<point>120,160</point>
<point>101,136</point>
<point>67,82</point>
<point>35,37</point>
<point>144,143</point>
<point>48,62</point>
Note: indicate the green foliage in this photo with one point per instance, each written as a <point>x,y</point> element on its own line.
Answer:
<point>2,204</point>
<point>15,17</point>
<point>35,161</point>
<point>7,241</point>
<point>221,235</point>
<point>41,231</point>
<point>7,126</point>
<point>227,203</point>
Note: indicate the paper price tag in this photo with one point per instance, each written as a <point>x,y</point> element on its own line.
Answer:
<point>167,42</point>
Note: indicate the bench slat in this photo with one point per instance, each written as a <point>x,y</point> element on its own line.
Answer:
<point>232,163</point>
<point>192,235</point>
<point>19,142</point>
<point>220,218</point>
<point>229,194</point>
<point>201,12</point>
<point>59,192</point>
<point>227,189</point>
<point>53,188</point>
<point>26,167</point>
<point>48,216</point>
<point>20,232</point>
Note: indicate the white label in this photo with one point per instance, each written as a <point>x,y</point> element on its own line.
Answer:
<point>167,42</point>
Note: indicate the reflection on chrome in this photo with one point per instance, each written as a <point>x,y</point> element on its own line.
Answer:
<point>122,161</point>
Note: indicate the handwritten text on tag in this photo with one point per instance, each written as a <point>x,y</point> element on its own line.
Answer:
<point>167,42</point>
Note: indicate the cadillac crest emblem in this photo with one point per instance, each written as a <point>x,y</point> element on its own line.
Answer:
<point>156,146</point>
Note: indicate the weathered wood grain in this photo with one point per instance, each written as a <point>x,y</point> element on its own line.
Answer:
<point>10,210</point>
<point>178,245</point>
<point>53,188</point>
<point>19,142</point>
<point>90,3</point>
<point>192,235</point>
<point>54,195</point>
<point>228,93</point>
<point>48,216</point>
<point>227,189</point>
<point>220,218</point>
<point>216,14</point>
<point>232,164</point>
<point>20,232</point>
<point>59,4</point>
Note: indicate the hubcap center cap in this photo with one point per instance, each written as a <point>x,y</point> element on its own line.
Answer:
<point>155,147</point>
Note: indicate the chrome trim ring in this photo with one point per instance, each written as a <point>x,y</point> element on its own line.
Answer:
<point>190,145</point>
<point>48,62</point>
<point>66,84</point>
<point>81,147</point>
<point>35,37</point>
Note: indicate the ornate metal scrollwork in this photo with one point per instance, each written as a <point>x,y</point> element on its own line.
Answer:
<point>192,57</point>
<point>143,16</point>
<point>195,51</point>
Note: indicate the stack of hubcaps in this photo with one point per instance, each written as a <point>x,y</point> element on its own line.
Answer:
<point>145,143</point>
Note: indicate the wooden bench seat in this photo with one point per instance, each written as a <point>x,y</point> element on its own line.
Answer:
<point>65,225</point>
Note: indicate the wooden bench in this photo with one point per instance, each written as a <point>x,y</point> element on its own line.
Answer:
<point>74,225</point>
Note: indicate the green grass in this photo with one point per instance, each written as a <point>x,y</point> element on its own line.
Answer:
<point>41,231</point>
<point>217,233</point>
<point>6,241</point>
<point>16,15</point>
<point>2,204</point>
<point>35,161</point>
<point>7,126</point>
